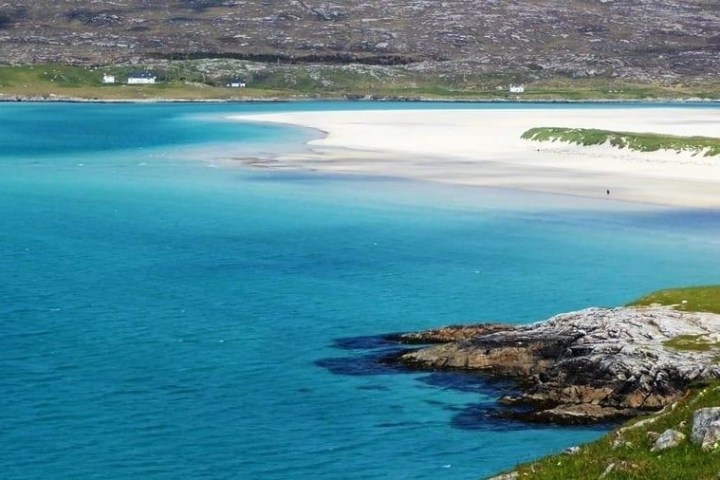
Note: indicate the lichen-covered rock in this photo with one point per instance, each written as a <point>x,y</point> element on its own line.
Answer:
<point>669,439</point>
<point>706,428</point>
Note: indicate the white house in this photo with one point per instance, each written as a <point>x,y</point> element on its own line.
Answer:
<point>517,89</point>
<point>108,78</point>
<point>236,84</point>
<point>141,78</point>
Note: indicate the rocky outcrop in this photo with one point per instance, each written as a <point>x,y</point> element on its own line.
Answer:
<point>582,367</point>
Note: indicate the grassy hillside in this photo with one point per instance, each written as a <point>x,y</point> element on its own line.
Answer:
<point>204,79</point>
<point>649,41</point>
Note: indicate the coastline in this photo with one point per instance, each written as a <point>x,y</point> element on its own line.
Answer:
<point>11,98</point>
<point>483,148</point>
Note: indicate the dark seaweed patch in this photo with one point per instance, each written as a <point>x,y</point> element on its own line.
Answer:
<point>375,363</point>
<point>364,343</point>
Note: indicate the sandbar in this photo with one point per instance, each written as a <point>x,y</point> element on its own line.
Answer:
<point>483,147</point>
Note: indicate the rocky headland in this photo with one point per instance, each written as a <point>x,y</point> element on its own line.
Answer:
<point>589,366</point>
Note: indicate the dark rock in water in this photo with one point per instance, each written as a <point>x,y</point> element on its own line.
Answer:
<point>590,366</point>
<point>452,333</point>
<point>574,414</point>
<point>486,417</point>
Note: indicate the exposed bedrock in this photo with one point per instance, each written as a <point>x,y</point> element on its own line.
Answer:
<point>588,366</point>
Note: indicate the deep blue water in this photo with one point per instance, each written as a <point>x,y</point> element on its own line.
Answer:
<point>163,319</point>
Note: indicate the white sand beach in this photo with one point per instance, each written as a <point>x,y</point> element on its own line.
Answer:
<point>483,147</point>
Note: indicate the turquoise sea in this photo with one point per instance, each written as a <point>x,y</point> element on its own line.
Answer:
<point>167,315</point>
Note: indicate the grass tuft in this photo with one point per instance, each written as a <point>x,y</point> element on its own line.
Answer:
<point>695,343</point>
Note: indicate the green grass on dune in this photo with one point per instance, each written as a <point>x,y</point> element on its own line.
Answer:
<point>629,451</point>
<point>643,142</point>
<point>691,299</point>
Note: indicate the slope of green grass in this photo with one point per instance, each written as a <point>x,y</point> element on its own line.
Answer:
<point>204,79</point>
<point>643,142</point>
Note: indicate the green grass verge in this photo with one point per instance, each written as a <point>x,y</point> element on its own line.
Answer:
<point>204,79</point>
<point>629,450</point>
<point>642,142</point>
<point>691,299</point>
<point>62,81</point>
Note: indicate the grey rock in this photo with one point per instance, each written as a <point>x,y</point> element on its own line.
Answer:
<point>506,476</point>
<point>706,428</point>
<point>669,439</point>
<point>607,471</point>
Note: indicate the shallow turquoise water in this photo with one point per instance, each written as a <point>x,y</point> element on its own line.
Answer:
<point>164,319</point>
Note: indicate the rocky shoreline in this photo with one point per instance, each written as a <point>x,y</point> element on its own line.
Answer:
<point>590,366</point>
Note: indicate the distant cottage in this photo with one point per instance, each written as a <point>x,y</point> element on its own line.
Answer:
<point>517,89</point>
<point>236,84</point>
<point>141,78</point>
<point>108,78</point>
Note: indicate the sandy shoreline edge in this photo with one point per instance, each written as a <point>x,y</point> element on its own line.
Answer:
<point>483,148</point>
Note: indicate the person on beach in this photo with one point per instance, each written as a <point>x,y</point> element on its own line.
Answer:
<point>608,192</point>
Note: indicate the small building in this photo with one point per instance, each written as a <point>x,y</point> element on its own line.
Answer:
<point>141,78</point>
<point>236,84</point>
<point>108,79</point>
<point>517,89</point>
